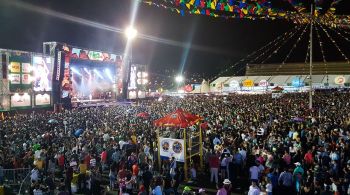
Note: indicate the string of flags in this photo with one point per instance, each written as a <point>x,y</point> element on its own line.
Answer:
<point>254,10</point>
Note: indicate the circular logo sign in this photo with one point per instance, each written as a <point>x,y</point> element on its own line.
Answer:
<point>165,146</point>
<point>297,82</point>
<point>177,147</point>
<point>188,88</point>
<point>339,80</point>
<point>234,84</point>
<point>263,83</point>
<point>248,83</point>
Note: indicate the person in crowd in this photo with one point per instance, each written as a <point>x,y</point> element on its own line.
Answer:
<point>158,186</point>
<point>214,163</point>
<point>187,191</point>
<point>261,137</point>
<point>254,189</point>
<point>221,189</point>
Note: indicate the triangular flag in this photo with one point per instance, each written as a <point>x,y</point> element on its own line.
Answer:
<point>212,5</point>
<point>188,5</point>
<point>197,3</point>
<point>208,12</point>
<point>182,12</point>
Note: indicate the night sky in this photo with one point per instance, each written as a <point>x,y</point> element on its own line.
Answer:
<point>218,42</point>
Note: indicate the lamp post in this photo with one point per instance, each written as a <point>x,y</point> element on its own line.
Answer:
<point>131,34</point>
<point>310,81</point>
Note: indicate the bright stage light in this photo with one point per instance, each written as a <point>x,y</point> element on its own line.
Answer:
<point>98,73</point>
<point>87,71</point>
<point>75,71</point>
<point>131,33</point>
<point>109,74</point>
<point>179,79</point>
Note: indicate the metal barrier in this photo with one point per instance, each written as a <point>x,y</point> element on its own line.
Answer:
<point>15,176</point>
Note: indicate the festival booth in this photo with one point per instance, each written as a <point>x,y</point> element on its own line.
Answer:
<point>190,143</point>
<point>277,92</point>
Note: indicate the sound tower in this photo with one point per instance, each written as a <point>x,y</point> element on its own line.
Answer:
<point>4,66</point>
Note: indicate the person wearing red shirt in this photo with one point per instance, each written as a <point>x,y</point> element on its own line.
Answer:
<point>104,158</point>
<point>61,161</point>
<point>135,170</point>
<point>87,159</point>
<point>309,160</point>
<point>214,163</point>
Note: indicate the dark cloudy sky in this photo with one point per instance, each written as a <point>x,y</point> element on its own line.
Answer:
<point>218,42</point>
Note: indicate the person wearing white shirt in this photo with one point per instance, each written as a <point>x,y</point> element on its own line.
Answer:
<point>216,141</point>
<point>254,173</point>
<point>269,188</point>
<point>105,137</point>
<point>253,189</point>
<point>34,176</point>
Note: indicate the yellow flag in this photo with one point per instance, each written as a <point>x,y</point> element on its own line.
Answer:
<point>188,5</point>
<point>231,8</point>
<point>212,5</point>
<point>192,2</point>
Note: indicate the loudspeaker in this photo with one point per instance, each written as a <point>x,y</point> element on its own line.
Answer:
<point>4,66</point>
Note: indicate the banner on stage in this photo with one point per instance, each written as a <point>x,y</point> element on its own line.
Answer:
<point>20,100</point>
<point>42,99</point>
<point>172,148</point>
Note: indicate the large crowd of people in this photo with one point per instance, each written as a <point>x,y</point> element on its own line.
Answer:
<point>251,143</point>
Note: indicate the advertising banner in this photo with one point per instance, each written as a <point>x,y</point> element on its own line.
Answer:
<point>15,67</point>
<point>20,101</point>
<point>26,68</point>
<point>172,148</point>
<point>26,79</point>
<point>42,100</point>
<point>15,78</point>
<point>43,67</point>
<point>20,72</point>
<point>133,77</point>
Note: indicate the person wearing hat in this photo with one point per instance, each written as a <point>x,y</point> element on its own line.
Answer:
<point>221,189</point>
<point>227,186</point>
